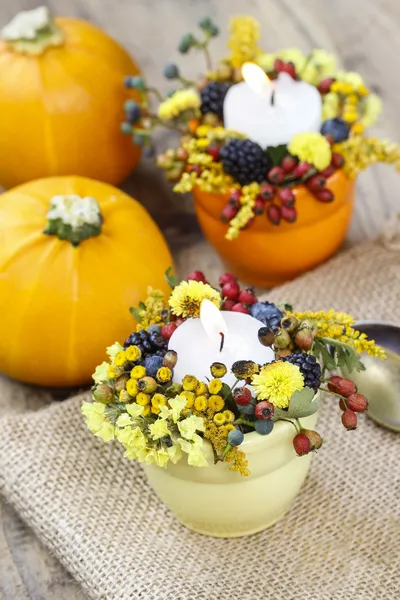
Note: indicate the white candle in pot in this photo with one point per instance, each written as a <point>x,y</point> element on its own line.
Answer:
<point>198,343</point>
<point>249,109</point>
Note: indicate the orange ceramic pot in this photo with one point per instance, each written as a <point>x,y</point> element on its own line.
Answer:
<point>267,255</point>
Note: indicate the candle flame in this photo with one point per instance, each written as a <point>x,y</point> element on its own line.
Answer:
<point>213,323</point>
<point>256,79</point>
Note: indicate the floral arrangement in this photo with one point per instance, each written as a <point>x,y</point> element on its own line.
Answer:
<point>137,401</point>
<point>258,181</point>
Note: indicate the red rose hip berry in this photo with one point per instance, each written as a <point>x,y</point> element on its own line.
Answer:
<point>349,419</point>
<point>289,163</point>
<point>289,213</point>
<point>274,214</point>
<point>324,195</point>
<point>230,290</point>
<point>302,169</point>
<point>344,387</point>
<point>357,402</point>
<point>228,213</point>
<point>168,330</point>
<point>286,196</point>
<point>242,396</point>
<point>302,444</point>
<point>264,410</point>
<point>197,276</point>
<point>337,160</point>
<point>267,191</point>
<point>228,305</point>
<point>259,206</point>
<point>226,278</point>
<point>247,296</point>
<point>276,175</point>
<point>240,308</point>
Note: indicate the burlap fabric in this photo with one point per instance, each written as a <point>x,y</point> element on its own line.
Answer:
<point>340,541</point>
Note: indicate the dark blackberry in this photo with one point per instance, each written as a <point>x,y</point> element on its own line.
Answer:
<point>309,367</point>
<point>267,313</point>
<point>245,161</point>
<point>150,343</point>
<point>212,98</point>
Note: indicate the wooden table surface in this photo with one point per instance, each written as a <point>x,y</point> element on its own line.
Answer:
<point>362,33</point>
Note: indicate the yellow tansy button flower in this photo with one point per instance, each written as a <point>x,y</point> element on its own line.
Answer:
<point>143,399</point>
<point>120,359</point>
<point>190,383</point>
<point>219,419</point>
<point>200,403</point>
<point>138,372</point>
<point>133,353</point>
<point>132,387</point>
<point>215,386</point>
<point>164,375</point>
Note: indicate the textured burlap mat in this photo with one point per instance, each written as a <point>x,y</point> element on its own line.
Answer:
<point>341,540</point>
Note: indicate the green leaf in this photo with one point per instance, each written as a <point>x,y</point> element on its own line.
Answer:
<point>303,404</point>
<point>142,306</point>
<point>277,153</point>
<point>135,314</point>
<point>321,352</point>
<point>172,280</point>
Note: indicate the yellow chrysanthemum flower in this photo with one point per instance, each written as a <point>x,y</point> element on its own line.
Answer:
<point>216,403</point>
<point>120,359</point>
<point>164,374</point>
<point>215,386</point>
<point>179,102</point>
<point>133,353</point>
<point>201,403</point>
<point>186,298</point>
<point>138,372</point>
<point>313,148</point>
<point>132,387</point>
<point>219,419</point>
<point>201,389</point>
<point>277,382</point>
<point>143,399</point>
<point>218,369</point>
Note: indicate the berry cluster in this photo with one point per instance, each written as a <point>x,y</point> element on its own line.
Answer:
<point>235,299</point>
<point>275,199</point>
<point>260,413</point>
<point>350,401</point>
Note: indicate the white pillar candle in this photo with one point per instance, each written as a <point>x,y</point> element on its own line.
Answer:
<point>198,342</point>
<point>248,109</point>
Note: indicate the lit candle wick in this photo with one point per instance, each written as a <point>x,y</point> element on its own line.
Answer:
<point>272,101</point>
<point>213,323</point>
<point>222,341</point>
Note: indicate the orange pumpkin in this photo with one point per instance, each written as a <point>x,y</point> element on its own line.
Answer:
<point>61,102</point>
<point>61,305</point>
<point>267,255</point>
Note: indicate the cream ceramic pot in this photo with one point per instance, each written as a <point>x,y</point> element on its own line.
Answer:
<point>218,502</point>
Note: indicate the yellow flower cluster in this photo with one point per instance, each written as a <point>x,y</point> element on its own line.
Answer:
<point>361,152</point>
<point>206,400</point>
<point>243,40</point>
<point>186,298</point>
<point>277,383</point>
<point>238,461</point>
<point>151,314</point>
<point>178,103</point>
<point>313,148</point>
<point>245,213</point>
<point>338,326</point>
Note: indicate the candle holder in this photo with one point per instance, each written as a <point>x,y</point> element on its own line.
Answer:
<point>271,161</point>
<point>217,394</point>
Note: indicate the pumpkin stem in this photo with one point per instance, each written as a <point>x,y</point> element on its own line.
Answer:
<point>32,31</point>
<point>74,218</point>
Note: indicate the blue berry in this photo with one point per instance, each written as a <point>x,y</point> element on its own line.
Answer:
<point>126,128</point>
<point>337,128</point>
<point>187,41</point>
<point>264,427</point>
<point>171,71</point>
<point>267,313</point>
<point>132,111</point>
<point>152,364</point>
<point>138,139</point>
<point>235,437</point>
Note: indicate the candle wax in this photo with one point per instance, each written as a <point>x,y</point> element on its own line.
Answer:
<point>196,351</point>
<point>296,109</point>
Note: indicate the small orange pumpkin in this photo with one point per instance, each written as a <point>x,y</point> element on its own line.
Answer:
<point>61,101</point>
<point>267,255</point>
<point>61,305</point>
